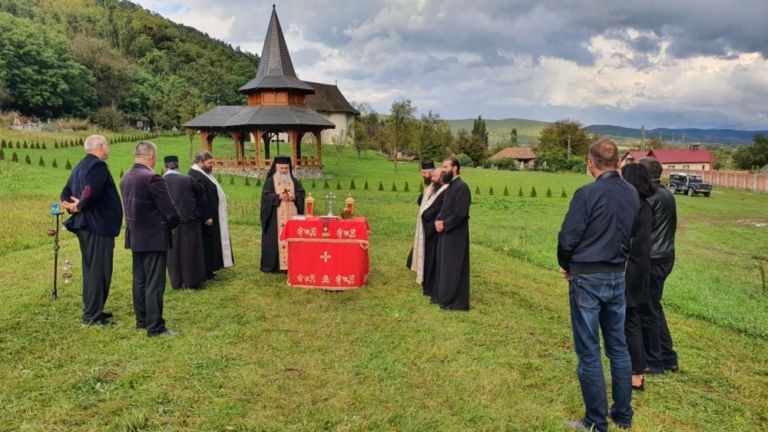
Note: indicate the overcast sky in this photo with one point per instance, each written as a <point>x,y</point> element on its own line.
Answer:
<point>657,63</point>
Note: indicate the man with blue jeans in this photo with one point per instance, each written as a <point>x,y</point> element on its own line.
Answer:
<point>592,250</point>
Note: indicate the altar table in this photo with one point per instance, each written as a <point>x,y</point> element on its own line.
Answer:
<point>327,253</point>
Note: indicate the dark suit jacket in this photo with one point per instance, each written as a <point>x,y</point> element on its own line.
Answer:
<point>149,211</point>
<point>99,210</point>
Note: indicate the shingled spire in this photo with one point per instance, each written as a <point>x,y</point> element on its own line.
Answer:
<point>275,66</point>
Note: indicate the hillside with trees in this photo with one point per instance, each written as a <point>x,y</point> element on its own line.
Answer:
<point>112,61</point>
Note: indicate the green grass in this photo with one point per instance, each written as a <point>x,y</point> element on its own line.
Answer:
<point>255,354</point>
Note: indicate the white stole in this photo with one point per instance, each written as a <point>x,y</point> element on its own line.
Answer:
<point>417,263</point>
<point>226,246</point>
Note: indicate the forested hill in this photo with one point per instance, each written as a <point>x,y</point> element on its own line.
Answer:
<point>101,58</point>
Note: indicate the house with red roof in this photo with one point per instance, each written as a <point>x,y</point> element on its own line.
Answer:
<point>692,158</point>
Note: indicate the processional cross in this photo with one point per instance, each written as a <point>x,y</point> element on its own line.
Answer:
<point>330,198</point>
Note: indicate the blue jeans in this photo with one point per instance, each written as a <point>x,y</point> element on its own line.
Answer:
<point>597,301</point>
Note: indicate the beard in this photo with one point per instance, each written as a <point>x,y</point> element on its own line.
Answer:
<point>283,178</point>
<point>446,177</point>
<point>207,170</point>
<point>427,180</point>
<point>436,184</point>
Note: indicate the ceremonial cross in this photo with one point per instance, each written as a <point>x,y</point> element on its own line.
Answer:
<point>330,198</point>
<point>325,257</point>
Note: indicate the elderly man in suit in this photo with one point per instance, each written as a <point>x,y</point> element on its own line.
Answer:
<point>150,215</point>
<point>91,197</point>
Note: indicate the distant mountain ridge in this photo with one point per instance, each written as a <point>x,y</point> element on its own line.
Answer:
<point>528,132</point>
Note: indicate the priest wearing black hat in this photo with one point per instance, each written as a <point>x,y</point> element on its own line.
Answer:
<point>281,199</point>
<point>186,257</point>
<point>427,167</point>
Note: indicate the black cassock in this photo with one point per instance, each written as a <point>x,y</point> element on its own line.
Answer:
<point>186,259</point>
<point>452,288</point>
<point>214,257</point>
<point>270,255</point>
<point>430,244</point>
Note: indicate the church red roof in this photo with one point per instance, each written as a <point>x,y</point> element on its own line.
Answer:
<point>678,156</point>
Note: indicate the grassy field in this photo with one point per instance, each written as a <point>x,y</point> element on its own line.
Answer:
<point>255,354</point>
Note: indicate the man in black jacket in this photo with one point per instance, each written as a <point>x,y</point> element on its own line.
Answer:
<point>91,197</point>
<point>150,216</point>
<point>660,354</point>
<point>592,250</point>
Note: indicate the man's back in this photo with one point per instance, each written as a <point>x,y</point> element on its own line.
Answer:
<point>149,210</point>
<point>596,232</point>
<point>100,209</point>
<point>186,195</point>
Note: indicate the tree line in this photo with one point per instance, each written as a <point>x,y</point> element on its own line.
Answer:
<point>112,61</point>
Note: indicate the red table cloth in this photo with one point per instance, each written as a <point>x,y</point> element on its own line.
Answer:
<point>327,253</point>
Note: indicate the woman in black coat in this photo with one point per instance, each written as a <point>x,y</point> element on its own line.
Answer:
<point>638,270</point>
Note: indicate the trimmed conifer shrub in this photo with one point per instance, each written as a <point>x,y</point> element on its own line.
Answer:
<point>14,157</point>
<point>406,188</point>
<point>549,192</point>
<point>490,192</point>
<point>258,182</point>
<point>533,192</point>
<point>520,192</point>
<point>338,184</point>
<point>44,147</point>
<point>506,191</point>
<point>381,185</point>
<point>247,181</point>
<point>326,185</point>
<point>2,154</point>
<point>28,160</point>
<point>56,145</point>
<point>563,194</point>
<point>2,143</point>
<point>218,178</point>
<point>314,185</point>
<point>18,146</point>
<point>394,188</point>
<point>231,180</point>
<point>365,186</point>
<point>54,164</point>
<point>352,185</point>
<point>41,162</point>
<point>25,145</point>
<point>68,166</point>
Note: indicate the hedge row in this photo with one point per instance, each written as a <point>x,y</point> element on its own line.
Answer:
<point>77,142</point>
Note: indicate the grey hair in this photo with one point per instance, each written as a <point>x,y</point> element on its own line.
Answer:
<point>93,142</point>
<point>203,155</point>
<point>145,149</point>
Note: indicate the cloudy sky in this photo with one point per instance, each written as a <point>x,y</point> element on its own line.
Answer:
<point>657,63</point>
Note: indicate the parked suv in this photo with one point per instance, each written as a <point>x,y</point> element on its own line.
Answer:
<point>689,184</point>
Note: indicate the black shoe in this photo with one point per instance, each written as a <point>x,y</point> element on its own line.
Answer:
<point>107,315</point>
<point>141,326</point>
<point>101,321</point>
<point>672,368</point>
<point>164,333</point>
<point>652,370</point>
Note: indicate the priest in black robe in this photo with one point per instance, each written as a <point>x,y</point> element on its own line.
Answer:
<point>427,167</point>
<point>215,226</point>
<point>186,257</point>
<point>281,199</point>
<point>452,226</point>
<point>430,208</point>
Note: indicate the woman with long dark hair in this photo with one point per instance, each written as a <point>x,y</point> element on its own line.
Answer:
<point>638,270</point>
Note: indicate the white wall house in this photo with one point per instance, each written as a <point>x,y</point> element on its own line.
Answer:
<point>330,103</point>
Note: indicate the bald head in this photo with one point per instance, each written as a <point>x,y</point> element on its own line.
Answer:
<point>97,145</point>
<point>604,155</point>
<point>145,153</point>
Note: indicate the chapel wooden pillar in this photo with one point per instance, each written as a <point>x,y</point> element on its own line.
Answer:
<point>257,138</point>
<point>206,140</point>
<point>319,148</point>
<point>293,137</point>
<point>237,139</point>
<point>299,137</point>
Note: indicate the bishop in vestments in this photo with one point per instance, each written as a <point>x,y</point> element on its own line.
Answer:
<point>281,199</point>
